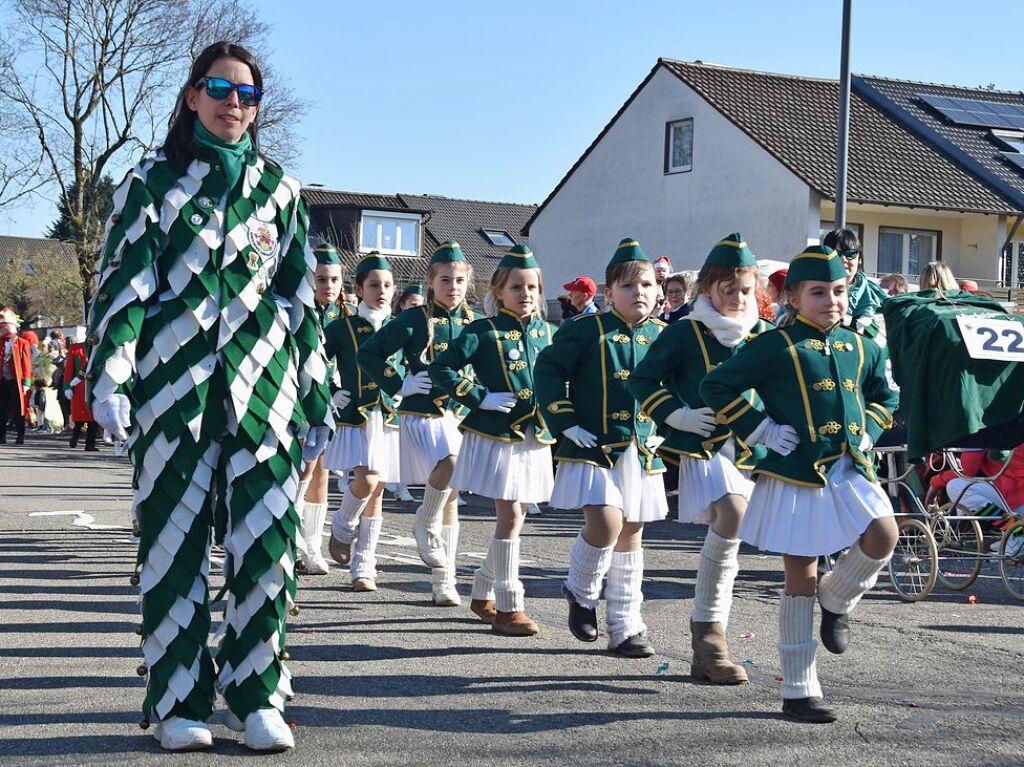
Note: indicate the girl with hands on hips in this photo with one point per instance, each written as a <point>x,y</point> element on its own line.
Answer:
<point>506,455</point>
<point>607,460</point>
<point>713,484</point>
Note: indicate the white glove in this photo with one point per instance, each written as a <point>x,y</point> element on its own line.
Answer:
<point>316,441</point>
<point>501,401</point>
<point>68,394</point>
<point>779,437</point>
<point>653,442</point>
<point>699,420</point>
<point>341,399</point>
<point>114,415</point>
<point>416,384</point>
<point>866,443</point>
<point>580,436</point>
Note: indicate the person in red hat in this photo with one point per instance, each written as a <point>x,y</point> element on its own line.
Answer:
<point>581,295</point>
<point>777,291</point>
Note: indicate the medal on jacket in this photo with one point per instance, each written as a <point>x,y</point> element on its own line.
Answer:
<point>513,354</point>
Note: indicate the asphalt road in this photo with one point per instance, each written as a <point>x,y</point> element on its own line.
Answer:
<point>388,679</point>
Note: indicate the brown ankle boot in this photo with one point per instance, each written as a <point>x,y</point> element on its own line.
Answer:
<point>711,655</point>
<point>483,609</point>
<point>513,625</point>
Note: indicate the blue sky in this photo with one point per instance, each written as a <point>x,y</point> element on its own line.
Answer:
<point>495,101</point>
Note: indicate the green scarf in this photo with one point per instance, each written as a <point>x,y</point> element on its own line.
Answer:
<point>232,156</point>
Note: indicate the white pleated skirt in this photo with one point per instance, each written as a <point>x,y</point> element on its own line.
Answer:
<point>506,471</point>
<point>701,483</point>
<point>372,445</point>
<point>811,521</point>
<point>626,486</point>
<point>425,442</point>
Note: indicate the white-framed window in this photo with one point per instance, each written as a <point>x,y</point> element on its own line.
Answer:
<point>907,251</point>
<point>499,237</point>
<point>390,233</point>
<point>1012,141</point>
<point>679,146</point>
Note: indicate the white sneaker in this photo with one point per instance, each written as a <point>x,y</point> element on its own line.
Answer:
<point>177,734</point>
<point>265,730</point>
<point>445,595</point>
<point>400,492</point>
<point>533,510</point>
<point>119,447</point>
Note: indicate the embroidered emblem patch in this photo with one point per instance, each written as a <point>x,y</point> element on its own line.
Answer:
<point>263,238</point>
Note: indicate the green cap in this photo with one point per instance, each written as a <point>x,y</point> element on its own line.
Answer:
<point>326,254</point>
<point>372,260</point>
<point>413,289</point>
<point>518,257</point>
<point>818,263</point>
<point>628,250</point>
<point>731,251</point>
<point>447,253</point>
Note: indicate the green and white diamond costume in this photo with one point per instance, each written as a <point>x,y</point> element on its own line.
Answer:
<point>204,316</point>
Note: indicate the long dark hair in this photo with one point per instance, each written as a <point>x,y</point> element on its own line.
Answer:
<point>178,144</point>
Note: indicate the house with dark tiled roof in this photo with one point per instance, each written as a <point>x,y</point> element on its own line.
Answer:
<point>700,150</point>
<point>408,228</point>
<point>24,251</point>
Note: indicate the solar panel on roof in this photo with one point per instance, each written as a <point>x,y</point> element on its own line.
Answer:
<point>987,114</point>
<point>1016,159</point>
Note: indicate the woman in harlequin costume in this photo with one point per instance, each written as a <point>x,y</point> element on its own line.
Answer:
<point>366,442</point>
<point>74,389</point>
<point>506,453</point>
<point>204,328</point>
<point>825,400</point>
<point>607,462</point>
<point>311,501</point>
<point>430,437</point>
<point>712,487</point>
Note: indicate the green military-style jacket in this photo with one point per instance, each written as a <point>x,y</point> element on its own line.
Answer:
<point>829,384</point>
<point>581,380</point>
<point>342,341</point>
<point>669,378</point>
<point>502,351</point>
<point>420,333</point>
<point>327,315</point>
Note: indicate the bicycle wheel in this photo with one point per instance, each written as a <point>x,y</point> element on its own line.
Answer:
<point>960,544</point>
<point>1011,565</point>
<point>914,564</point>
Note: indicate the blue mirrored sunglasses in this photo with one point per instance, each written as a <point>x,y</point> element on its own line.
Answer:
<point>218,88</point>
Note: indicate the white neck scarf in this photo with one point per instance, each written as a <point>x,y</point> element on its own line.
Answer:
<point>375,317</point>
<point>728,331</point>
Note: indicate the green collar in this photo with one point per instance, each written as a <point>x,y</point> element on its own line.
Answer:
<point>233,156</point>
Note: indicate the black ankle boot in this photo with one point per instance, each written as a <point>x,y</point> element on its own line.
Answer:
<point>582,620</point>
<point>811,710</point>
<point>835,631</point>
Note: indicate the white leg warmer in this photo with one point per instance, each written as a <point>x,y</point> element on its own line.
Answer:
<point>797,648</point>
<point>854,574</point>
<point>483,578</point>
<point>345,522</point>
<point>508,591</point>
<point>624,595</point>
<point>364,557</point>
<point>716,573</point>
<point>587,567</point>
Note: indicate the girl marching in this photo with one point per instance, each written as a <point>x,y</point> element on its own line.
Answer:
<point>430,437</point>
<point>366,442</point>
<point>712,488</point>
<point>204,317</point>
<point>311,502</point>
<point>826,399</point>
<point>608,464</point>
<point>506,454</point>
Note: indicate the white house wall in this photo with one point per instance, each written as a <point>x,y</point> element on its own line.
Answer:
<point>621,190</point>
